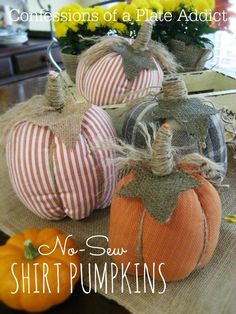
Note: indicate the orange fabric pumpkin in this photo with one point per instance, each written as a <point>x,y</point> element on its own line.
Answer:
<point>23,250</point>
<point>183,243</point>
<point>179,243</point>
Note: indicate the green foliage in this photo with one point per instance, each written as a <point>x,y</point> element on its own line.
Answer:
<point>73,43</point>
<point>191,32</point>
<point>186,30</point>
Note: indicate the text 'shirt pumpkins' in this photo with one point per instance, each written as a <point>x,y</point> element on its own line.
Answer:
<point>53,166</point>
<point>165,213</point>
<point>117,70</point>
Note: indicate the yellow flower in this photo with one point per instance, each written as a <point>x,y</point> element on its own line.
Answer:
<point>155,5</point>
<point>71,16</point>
<point>118,10</point>
<point>97,15</point>
<point>120,27</point>
<point>143,17</point>
<point>201,6</point>
<point>188,4</point>
<point>212,4</point>
<point>170,5</point>
<point>87,14</point>
<point>141,4</point>
<point>73,25</point>
<point>60,29</point>
<point>131,11</point>
<point>92,26</point>
<point>70,9</point>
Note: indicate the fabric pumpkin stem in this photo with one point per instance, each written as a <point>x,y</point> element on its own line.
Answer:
<point>162,162</point>
<point>54,93</point>
<point>30,251</point>
<point>174,88</point>
<point>144,36</point>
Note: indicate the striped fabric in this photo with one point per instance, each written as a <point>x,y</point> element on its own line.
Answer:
<point>54,181</point>
<point>104,83</point>
<point>215,150</point>
<point>215,143</point>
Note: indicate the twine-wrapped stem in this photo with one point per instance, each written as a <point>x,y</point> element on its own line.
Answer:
<point>54,92</point>
<point>175,88</point>
<point>162,161</point>
<point>144,36</point>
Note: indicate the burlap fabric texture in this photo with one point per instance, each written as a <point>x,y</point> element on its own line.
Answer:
<point>70,62</point>
<point>192,58</point>
<point>209,291</point>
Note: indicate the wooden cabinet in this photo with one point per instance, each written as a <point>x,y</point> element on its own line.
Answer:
<point>6,67</point>
<point>27,61</point>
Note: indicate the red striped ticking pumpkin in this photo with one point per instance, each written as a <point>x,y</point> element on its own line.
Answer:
<point>104,83</point>
<point>104,78</point>
<point>55,181</point>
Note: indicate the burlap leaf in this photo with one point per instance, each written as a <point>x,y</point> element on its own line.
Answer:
<point>159,194</point>
<point>191,113</point>
<point>134,61</point>
<point>65,125</point>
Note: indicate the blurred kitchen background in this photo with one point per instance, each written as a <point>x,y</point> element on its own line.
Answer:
<point>20,64</point>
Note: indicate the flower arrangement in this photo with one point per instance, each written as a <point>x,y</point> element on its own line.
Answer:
<point>190,21</point>
<point>75,25</point>
<point>175,19</point>
<point>185,20</point>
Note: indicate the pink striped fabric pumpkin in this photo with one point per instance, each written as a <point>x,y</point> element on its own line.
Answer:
<point>117,69</point>
<point>104,83</point>
<point>54,181</point>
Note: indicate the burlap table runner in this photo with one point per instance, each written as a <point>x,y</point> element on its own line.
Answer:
<point>211,290</point>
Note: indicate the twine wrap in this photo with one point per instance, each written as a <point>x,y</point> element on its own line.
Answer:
<point>144,36</point>
<point>162,162</point>
<point>54,93</point>
<point>175,88</point>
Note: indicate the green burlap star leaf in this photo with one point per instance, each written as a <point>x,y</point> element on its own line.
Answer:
<point>191,113</point>
<point>134,61</point>
<point>159,194</point>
